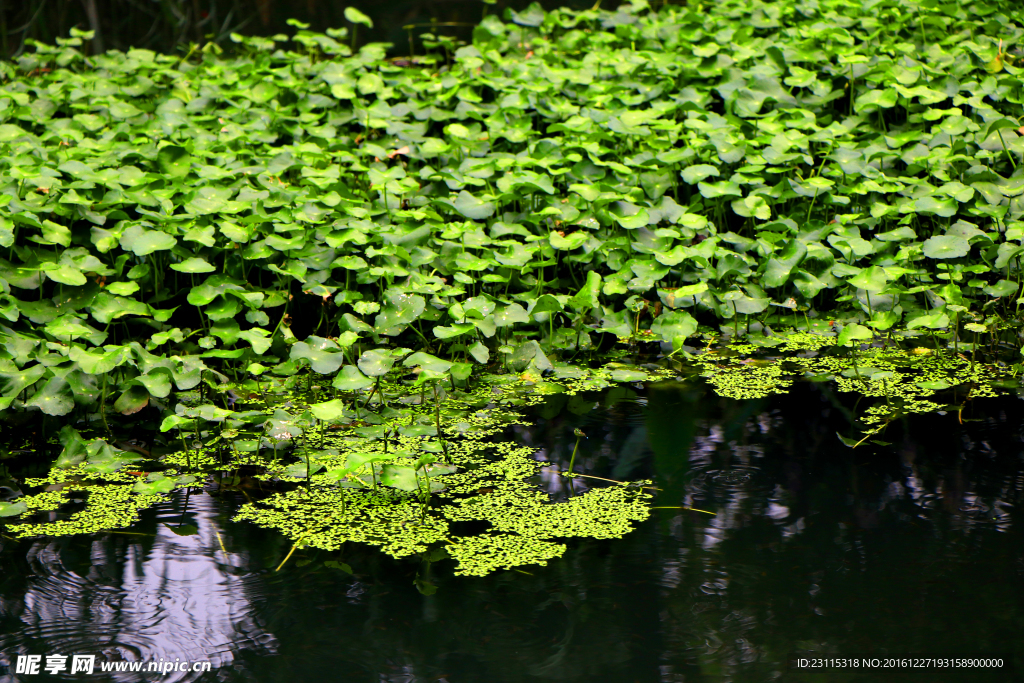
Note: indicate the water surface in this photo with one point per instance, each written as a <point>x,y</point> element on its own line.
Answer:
<point>914,547</point>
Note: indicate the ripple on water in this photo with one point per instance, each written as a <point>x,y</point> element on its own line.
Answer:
<point>176,598</point>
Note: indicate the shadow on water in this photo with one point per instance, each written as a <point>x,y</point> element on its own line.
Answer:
<point>914,547</point>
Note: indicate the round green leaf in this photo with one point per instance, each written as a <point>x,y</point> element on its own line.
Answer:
<point>193,265</point>
<point>1001,289</point>
<point>510,315</point>
<point>402,309</point>
<point>480,353</point>
<point>67,275</point>
<point>323,355</point>
<point>945,246</point>
<point>723,188</point>
<point>871,279</point>
<point>256,369</point>
<point>461,371</point>
<point>153,485</point>
<point>546,304</point>
<point>157,382</point>
<point>329,410</point>
<point>55,398</point>
<point>132,401</point>
<point>376,362</point>
<point>745,304</point>
<point>141,241</point>
<point>694,174</point>
<point>628,375</point>
<point>629,216</point>
<point>99,363</point>
<point>672,324</point>
<point>9,132</point>
<point>12,509</point>
<point>350,379</point>
<point>427,362</point>
<point>357,17</point>
<point>936,319</point>
<point>570,241</point>
<point>472,207</point>
<point>854,333</point>
<point>123,288</point>
<point>754,205</point>
<point>450,331</point>
<point>401,477</point>
<point>174,161</point>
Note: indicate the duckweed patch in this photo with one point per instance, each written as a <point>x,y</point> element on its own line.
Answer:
<point>376,470</point>
<point>901,381</point>
<point>403,463</point>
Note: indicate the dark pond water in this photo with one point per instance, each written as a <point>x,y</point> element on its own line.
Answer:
<point>912,548</point>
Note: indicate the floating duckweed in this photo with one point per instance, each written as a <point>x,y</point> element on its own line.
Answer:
<point>806,341</point>
<point>746,380</point>
<point>47,501</point>
<point>107,486</point>
<point>486,553</point>
<point>193,460</point>
<point>80,472</point>
<point>399,471</point>
<point>492,484</point>
<point>511,507</point>
<point>902,380</point>
<point>107,507</point>
<point>327,517</point>
<point>389,478</point>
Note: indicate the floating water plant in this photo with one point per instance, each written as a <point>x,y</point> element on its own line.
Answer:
<point>725,160</point>
<point>238,253</point>
<point>904,380</point>
<point>401,498</point>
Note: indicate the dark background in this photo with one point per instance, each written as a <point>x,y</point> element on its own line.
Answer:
<point>169,25</point>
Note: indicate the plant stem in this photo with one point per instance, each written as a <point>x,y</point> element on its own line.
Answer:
<point>290,552</point>
<point>103,404</point>
<point>437,422</point>
<point>572,460</point>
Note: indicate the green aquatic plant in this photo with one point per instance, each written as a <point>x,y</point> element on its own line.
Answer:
<point>100,475</point>
<point>642,175</point>
<point>460,236</point>
<point>579,435</point>
<point>905,380</point>
<point>400,474</point>
<point>382,483</point>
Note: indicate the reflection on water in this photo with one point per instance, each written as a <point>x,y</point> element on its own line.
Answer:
<point>173,596</point>
<point>910,547</point>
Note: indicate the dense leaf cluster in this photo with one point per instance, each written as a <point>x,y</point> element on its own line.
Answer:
<point>627,172</point>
